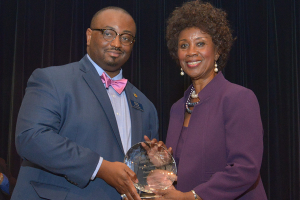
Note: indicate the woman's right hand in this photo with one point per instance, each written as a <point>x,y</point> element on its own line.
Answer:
<point>159,144</point>
<point>157,152</point>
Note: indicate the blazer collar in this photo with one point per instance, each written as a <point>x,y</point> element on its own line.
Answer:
<point>215,84</point>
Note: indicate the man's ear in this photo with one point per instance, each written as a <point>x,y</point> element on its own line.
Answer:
<point>88,36</point>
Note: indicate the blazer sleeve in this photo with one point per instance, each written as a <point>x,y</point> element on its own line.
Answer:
<point>38,139</point>
<point>244,148</point>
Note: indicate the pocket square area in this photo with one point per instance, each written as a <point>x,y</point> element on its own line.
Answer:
<point>136,105</point>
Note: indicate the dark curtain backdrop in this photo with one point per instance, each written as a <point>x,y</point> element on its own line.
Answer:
<point>265,58</point>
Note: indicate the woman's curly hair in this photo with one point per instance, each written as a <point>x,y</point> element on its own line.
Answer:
<point>208,19</point>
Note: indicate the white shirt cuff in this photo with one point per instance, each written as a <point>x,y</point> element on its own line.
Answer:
<point>97,168</point>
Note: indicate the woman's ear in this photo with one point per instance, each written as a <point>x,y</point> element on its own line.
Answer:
<point>217,55</point>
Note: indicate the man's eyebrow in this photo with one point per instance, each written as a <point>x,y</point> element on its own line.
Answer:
<point>125,31</point>
<point>108,27</point>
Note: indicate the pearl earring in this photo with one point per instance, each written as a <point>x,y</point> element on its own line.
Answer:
<point>181,73</point>
<point>216,67</point>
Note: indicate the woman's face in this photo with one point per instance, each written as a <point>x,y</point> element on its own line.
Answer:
<point>197,53</point>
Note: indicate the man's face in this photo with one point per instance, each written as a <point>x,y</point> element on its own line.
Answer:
<point>110,56</point>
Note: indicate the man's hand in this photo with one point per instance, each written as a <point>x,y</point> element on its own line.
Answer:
<point>119,176</point>
<point>1,178</point>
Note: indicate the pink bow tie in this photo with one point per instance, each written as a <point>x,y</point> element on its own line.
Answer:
<point>118,85</point>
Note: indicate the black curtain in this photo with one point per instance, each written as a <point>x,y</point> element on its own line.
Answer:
<point>265,58</point>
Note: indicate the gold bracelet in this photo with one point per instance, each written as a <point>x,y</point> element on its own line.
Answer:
<point>194,193</point>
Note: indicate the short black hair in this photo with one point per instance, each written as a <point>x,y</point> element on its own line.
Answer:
<point>107,8</point>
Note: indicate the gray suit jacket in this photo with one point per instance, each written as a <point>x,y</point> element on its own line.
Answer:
<point>65,123</point>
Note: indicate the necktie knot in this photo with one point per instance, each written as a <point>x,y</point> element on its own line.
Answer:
<point>118,85</point>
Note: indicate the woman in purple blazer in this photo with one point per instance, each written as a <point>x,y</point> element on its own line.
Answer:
<point>215,129</point>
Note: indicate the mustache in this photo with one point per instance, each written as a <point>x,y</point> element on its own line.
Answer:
<point>115,49</point>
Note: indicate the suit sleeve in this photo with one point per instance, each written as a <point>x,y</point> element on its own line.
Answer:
<point>38,138</point>
<point>244,149</point>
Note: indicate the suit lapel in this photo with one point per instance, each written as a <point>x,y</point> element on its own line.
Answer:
<point>136,115</point>
<point>91,77</point>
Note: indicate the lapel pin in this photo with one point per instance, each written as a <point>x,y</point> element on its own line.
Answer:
<point>134,94</point>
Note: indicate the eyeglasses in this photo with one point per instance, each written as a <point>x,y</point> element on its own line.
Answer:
<point>110,34</point>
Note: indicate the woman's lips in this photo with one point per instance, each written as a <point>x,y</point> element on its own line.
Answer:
<point>193,63</point>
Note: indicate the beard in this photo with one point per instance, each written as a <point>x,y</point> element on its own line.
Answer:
<point>112,63</point>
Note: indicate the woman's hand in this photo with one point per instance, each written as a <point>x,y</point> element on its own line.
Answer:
<point>174,194</point>
<point>160,179</point>
<point>156,153</point>
<point>159,144</point>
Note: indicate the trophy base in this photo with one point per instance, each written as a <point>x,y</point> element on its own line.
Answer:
<point>149,196</point>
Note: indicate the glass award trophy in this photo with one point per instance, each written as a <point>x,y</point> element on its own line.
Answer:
<point>154,167</point>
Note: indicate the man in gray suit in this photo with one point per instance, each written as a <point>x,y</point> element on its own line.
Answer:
<point>74,128</point>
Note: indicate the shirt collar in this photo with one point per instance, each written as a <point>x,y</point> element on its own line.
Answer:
<point>100,70</point>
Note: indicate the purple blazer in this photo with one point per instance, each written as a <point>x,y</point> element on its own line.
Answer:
<point>222,153</point>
